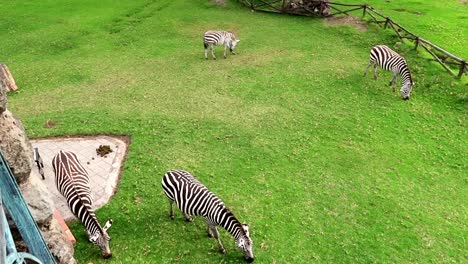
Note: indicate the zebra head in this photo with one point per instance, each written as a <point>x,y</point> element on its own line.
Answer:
<point>245,244</point>
<point>406,90</point>
<point>233,45</point>
<point>101,239</point>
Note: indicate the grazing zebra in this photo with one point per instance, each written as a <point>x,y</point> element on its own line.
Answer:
<point>389,60</point>
<point>73,183</point>
<point>215,38</point>
<point>193,198</point>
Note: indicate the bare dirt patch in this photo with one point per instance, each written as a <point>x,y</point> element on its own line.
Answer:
<point>347,20</point>
<point>408,11</point>
<point>219,2</point>
<point>463,1</point>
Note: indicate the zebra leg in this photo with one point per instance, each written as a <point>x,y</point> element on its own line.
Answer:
<point>393,81</point>
<point>188,218</point>
<point>212,52</point>
<point>208,229</point>
<point>206,53</point>
<point>212,230</point>
<point>171,210</point>
<point>375,71</point>
<point>225,48</point>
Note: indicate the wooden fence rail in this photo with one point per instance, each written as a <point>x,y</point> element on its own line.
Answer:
<point>449,62</point>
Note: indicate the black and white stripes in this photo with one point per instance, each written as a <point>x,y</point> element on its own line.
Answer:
<point>73,183</point>
<point>193,198</point>
<point>389,60</point>
<point>215,38</point>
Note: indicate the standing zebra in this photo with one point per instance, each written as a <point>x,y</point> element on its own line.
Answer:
<point>389,60</point>
<point>193,198</point>
<point>215,38</point>
<point>73,183</point>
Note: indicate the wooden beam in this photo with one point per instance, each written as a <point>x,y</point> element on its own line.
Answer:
<point>438,60</point>
<point>441,50</point>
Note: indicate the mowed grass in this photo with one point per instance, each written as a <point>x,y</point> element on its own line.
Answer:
<point>324,165</point>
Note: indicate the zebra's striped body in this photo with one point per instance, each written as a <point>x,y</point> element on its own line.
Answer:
<point>216,38</point>
<point>72,181</point>
<point>389,60</point>
<point>193,198</point>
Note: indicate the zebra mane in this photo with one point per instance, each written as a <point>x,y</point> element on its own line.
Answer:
<point>81,203</point>
<point>91,213</point>
<point>237,225</point>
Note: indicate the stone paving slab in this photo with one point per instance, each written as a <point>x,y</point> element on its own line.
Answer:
<point>103,171</point>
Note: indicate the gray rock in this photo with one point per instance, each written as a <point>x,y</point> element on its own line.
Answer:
<point>59,245</point>
<point>39,201</point>
<point>15,146</point>
<point>3,98</point>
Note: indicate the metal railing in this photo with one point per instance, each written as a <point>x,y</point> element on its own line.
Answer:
<point>12,199</point>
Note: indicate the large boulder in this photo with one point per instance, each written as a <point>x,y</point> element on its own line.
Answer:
<point>58,242</point>
<point>38,199</point>
<point>15,146</point>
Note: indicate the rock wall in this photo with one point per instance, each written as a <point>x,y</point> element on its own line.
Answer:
<point>18,152</point>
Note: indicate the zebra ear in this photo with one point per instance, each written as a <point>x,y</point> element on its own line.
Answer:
<point>246,228</point>
<point>107,225</point>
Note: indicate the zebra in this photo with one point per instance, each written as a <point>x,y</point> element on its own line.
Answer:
<point>193,198</point>
<point>389,60</point>
<point>72,181</point>
<point>215,38</point>
<point>39,162</point>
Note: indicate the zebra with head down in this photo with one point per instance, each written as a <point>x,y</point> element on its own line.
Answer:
<point>217,37</point>
<point>193,198</point>
<point>72,181</point>
<point>389,60</point>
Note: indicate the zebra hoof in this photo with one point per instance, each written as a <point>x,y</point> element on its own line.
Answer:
<point>223,251</point>
<point>189,219</point>
<point>171,217</point>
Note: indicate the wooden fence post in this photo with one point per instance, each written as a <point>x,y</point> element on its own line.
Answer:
<point>364,9</point>
<point>462,69</point>
<point>417,43</point>
<point>386,22</point>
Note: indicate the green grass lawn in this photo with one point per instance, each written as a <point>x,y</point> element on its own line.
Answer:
<point>324,165</point>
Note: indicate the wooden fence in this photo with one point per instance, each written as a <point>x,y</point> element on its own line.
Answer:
<point>454,65</point>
